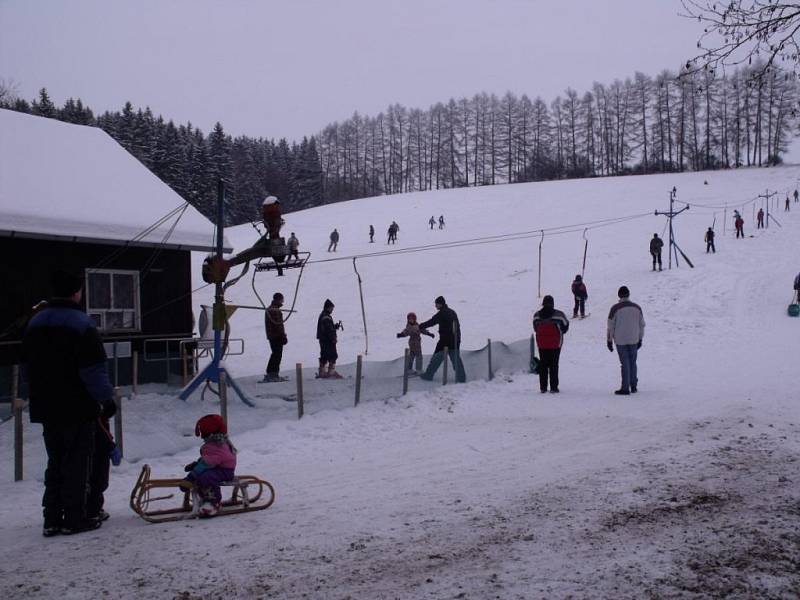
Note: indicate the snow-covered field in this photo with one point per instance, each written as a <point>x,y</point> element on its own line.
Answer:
<point>691,488</point>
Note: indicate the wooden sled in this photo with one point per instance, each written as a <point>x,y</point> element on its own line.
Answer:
<point>248,493</point>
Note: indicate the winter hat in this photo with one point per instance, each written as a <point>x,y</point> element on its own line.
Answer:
<point>270,200</point>
<point>411,316</point>
<point>328,304</point>
<point>623,292</point>
<point>548,301</point>
<point>209,425</point>
<point>277,297</point>
<point>440,300</point>
<point>578,278</point>
<point>65,283</point>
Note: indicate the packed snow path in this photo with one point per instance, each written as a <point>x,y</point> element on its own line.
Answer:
<point>489,489</point>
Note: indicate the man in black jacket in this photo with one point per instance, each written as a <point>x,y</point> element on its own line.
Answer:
<point>449,337</point>
<point>69,390</point>
<point>326,334</point>
<point>276,336</point>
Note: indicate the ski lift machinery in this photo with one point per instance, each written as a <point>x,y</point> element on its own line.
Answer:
<point>271,252</point>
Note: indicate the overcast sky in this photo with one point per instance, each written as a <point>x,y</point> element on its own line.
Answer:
<point>287,68</point>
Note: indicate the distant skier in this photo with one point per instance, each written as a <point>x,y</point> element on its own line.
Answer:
<point>796,195</point>
<point>293,244</point>
<point>326,334</point>
<point>441,221</point>
<point>739,224</point>
<point>786,209</point>
<point>656,244</point>
<point>759,219</point>
<point>580,294</point>
<point>709,239</point>
<point>432,222</point>
<point>549,325</point>
<point>276,336</point>
<point>449,337</point>
<point>371,234</point>
<point>414,334</point>
<point>392,231</point>
<point>626,330</point>
<point>334,240</point>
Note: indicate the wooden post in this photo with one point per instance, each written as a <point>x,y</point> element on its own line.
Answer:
<point>223,396</point>
<point>489,346</point>
<point>118,421</point>
<point>185,365</point>
<point>359,361</point>
<point>298,369</point>
<point>405,372</point>
<point>135,372</point>
<point>16,404</point>
<point>724,220</point>
<point>444,363</point>
<point>116,365</point>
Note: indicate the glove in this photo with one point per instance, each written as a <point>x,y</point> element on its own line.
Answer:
<point>285,340</point>
<point>429,334</point>
<point>610,346</point>
<point>639,345</point>
<point>115,455</point>
<point>399,335</point>
<point>190,467</point>
<point>108,409</point>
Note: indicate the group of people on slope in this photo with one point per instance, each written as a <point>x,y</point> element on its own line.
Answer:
<point>432,221</point>
<point>625,329</point>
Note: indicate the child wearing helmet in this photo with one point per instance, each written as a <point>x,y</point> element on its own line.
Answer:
<point>414,334</point>
<point>216,464</point>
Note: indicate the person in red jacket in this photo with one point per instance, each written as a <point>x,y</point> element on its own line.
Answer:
<point>549,326</point>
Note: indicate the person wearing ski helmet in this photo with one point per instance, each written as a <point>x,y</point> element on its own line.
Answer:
<point>217,463</point>
<point>326,334</point>
<point>414,334</point>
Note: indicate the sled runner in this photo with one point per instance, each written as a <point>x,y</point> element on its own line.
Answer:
<point>248,493</point>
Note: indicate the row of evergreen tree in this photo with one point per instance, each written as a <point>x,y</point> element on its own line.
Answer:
<point>642,125</point>
<point>191,163</point>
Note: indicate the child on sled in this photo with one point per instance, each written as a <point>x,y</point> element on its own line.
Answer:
<point>414,334</point>
<point>216,464</point>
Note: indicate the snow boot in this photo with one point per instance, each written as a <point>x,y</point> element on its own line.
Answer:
<point>209,508</point>
<point>332,374</point>
<point>81,526</point>
<point>622,392</point>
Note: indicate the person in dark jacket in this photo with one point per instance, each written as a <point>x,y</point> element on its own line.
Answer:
<point>276,336</point>
<point>334,241</point>
<point>549,326</point>
<point>759,221</point>
<point>432,222</point>
<point>656,244</point>
<point>449,337</point>
<point>326,334</point>
<point>580,293</point>
<point>371,234</point>
<point>710,241</point>
<point>69,389</point>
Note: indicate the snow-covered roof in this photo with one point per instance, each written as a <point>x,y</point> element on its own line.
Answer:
<point>64,181</point>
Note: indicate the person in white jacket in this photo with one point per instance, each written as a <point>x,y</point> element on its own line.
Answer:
<point>626,330</point>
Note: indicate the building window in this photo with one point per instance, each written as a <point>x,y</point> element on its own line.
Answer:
<point>112,299</point>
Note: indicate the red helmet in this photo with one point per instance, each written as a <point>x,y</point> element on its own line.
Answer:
<point>208,425</point>
<point>411,316</point>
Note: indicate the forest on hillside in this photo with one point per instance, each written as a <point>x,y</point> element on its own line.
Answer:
<point>673,122</point>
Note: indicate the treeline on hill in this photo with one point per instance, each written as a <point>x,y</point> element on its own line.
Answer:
<point>642,125</point>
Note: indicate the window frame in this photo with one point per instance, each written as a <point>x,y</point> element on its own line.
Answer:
<point>102,312</point>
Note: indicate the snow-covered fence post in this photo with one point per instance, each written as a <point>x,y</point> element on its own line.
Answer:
<point>135,372</point>
<point>223,396</point>
<point>299,376</point>
<point>724,220</point>
<point>118,421</point>
<point>359,359</point>
<point>489,346</point>
<point>444,371</point>
<point>405,372</point>
<point>16,404</point>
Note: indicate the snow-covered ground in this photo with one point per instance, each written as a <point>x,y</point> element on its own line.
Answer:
<point>691,488</point>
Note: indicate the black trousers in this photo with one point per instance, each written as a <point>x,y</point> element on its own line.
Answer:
<point>101,468</point>
<point>548,368</point>
<point>580,304</point>
<point>710,247</point>
<point>70,448</point>
<point>656,259</point>
<point>274,363</point>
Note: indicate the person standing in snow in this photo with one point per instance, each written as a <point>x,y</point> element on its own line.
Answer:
<point>441,221</point>
<point>581,294</point>
<point>626,330</point>
<point>797,288</point>
<point>787,204</point>
<point>414,334</point>
<point>739,224</point>
<point>432,222</point>
<point>449,337</point>
<point>217,463</point>
<point>549,326</point>
<point>276,336</point>
<point>371,234</point>
<point>391,234</point>
<point>709,239</point>
<point>796,195</point>
<point>69,389</point>
<point>293,244</point>
<point>759,221</point>
<point>656,244</point>
<point>334,240</point>
<point>326,334</point>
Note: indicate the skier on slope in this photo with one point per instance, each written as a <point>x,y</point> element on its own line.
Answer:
<point>580,294</point>
<point>759,219</point>
<point>326,334</point>
<point>432,222</point>
<point>709,239</point>
<point>655,250</point>
<point>549,325</point>
<point>293,244</point>
<point>334,237</point>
